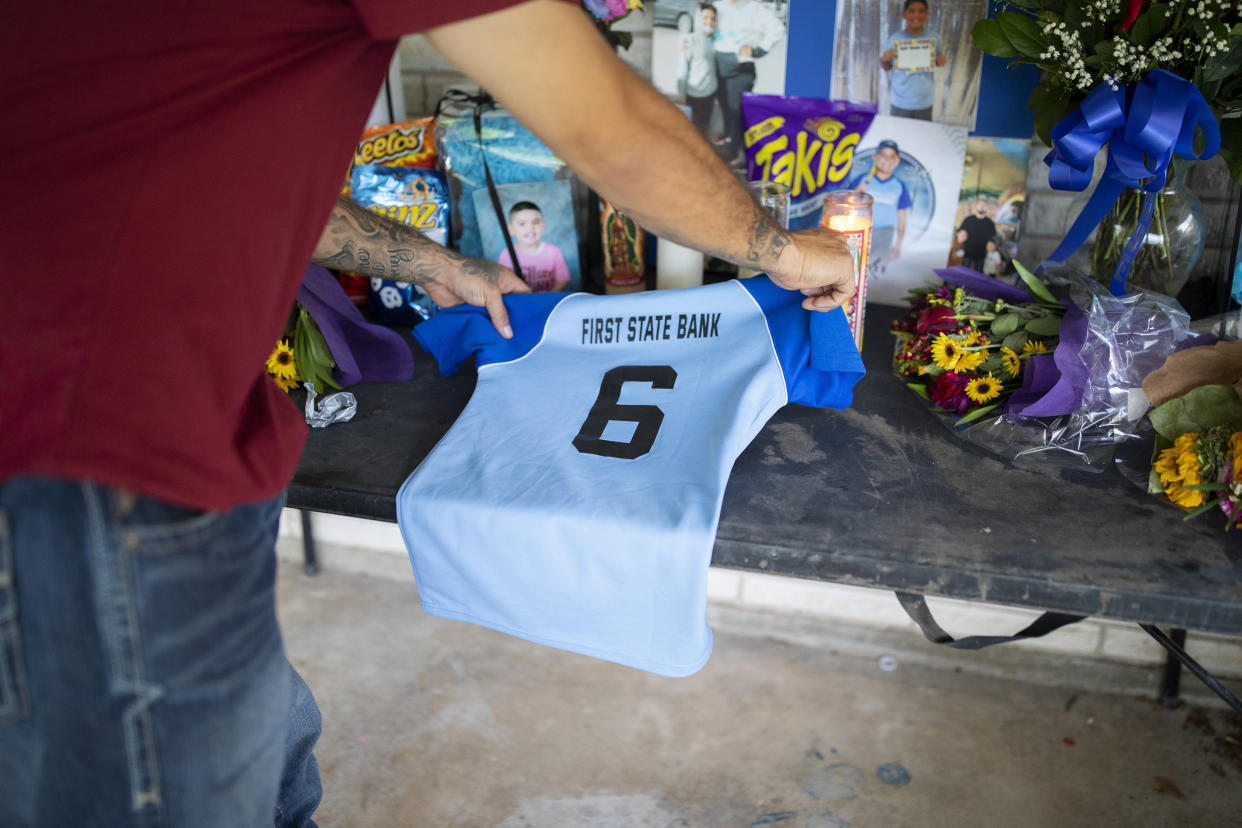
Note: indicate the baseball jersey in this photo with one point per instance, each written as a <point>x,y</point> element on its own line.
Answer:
<point>575,500</point>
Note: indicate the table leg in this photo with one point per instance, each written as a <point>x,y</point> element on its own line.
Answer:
<point>1170,683</point>
<point>1176,650</point>
<point>310,562</point>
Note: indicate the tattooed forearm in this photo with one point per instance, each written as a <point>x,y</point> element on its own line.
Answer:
<point>767,241</point>
<point>359,241</point>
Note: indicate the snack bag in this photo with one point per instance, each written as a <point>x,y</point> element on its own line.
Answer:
<point>414,197</point>
<point>407,144</point>
<point>806,144</point>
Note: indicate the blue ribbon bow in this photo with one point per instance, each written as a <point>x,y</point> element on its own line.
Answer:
<point>1143,126</point>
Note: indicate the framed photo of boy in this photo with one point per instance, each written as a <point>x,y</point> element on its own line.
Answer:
<point>915,58</point>
<point>540,219</point>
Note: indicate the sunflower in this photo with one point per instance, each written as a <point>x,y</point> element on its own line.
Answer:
<point>976,338</point>
<point>1235,449</point>
<point>1178,467</point>
<point>971,360</point>
<point>282,366</point>
<point>1012,363</point>
<point>1033,347</point>
<point>982,389</point>
<point>285,385</point>
<point>947,353</point>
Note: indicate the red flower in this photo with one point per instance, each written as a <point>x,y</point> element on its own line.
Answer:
<point>936,319</point>
<point>949,391</point>
<point>1133,7</point>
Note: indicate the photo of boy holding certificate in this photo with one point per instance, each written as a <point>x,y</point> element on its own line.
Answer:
<point>909,61</point>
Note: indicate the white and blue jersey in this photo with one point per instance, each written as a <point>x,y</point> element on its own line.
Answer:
<point>575,500</point>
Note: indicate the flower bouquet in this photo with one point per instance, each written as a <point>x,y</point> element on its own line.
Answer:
<point>607,12</point>
<point>1196,459</point>
<point>962,345</point>
<point>1021,371</point>
<point>1155,82</point>
<point>301,354</point>
<point>327,343</point>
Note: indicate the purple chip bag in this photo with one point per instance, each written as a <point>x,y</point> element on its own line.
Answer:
<point>805,143</point>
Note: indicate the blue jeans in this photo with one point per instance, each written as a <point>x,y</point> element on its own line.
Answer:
<point>143,681</point>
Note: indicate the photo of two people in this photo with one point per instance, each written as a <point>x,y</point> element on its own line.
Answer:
<point>706,54</point>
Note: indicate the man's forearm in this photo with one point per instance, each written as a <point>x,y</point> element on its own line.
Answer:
<point>618,134</point>
<point>360,241</point>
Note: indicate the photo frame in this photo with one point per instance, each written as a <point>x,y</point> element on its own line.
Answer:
<point>991,201</point>
<point>706,70</point>
<point>548,253</point>
<point>930,158</point>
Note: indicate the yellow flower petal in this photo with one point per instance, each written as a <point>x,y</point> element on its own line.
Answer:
<point>983,389</point>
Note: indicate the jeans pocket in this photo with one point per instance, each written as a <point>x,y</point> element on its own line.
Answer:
<point>14,698</point>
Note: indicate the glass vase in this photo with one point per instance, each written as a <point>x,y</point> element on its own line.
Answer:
<point>1170,250</point>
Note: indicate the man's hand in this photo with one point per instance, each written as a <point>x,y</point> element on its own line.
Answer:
<point>940,60</point>
<point>359,241</point>
<point>895,253</point>
<point>454,279</point>
<point>745,51</point>
<point>886,59</point>
<point>817,262</point>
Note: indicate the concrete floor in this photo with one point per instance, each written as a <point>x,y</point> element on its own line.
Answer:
<point>442,724</point>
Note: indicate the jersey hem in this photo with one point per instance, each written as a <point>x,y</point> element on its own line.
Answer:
<point>624,659</point>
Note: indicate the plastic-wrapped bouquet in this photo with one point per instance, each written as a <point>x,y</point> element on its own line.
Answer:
<point>963,345</point>
<point>1021,371</point>
<point>1196,459</point>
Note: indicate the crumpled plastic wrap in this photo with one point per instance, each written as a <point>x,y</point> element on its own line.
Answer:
<point>332,408</point>
<point>1123,340</point>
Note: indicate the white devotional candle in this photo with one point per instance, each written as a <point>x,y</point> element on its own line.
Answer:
<point>677,266</point>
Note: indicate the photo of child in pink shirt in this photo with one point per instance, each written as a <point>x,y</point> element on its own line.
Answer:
<point>543,265</point>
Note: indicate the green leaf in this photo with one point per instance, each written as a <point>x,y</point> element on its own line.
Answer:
<point>1005,324</point>
<point>1043,326</point>
<point>1197,411</point>
<point>1224,66</point>
<point>971,416</point>
<point>1211,504</point>
<point>989,38</point>
<point>1015,341</point>
<point>1023,32</point>
<point>992,365</point>
<point>921,390</point>
<point>1075,14</point>
<point>1034,284</point>
<point>1150,25</point>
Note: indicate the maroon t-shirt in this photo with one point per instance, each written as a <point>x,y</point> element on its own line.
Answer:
<point>166,170</point>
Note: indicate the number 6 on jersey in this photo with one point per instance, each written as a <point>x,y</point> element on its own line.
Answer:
<point>646,418</point>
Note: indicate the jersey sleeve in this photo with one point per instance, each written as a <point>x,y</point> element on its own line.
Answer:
<point>455,334</point>
<point>816,350</point>
<point>904,201</point>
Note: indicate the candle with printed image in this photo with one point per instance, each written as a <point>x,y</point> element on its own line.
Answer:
<point>848,212</point>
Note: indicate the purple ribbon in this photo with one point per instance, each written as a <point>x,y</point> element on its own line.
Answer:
<point>1053,384</point>
<point>985,287</point>
<point>362,351</point>
<point>1144,125</point>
